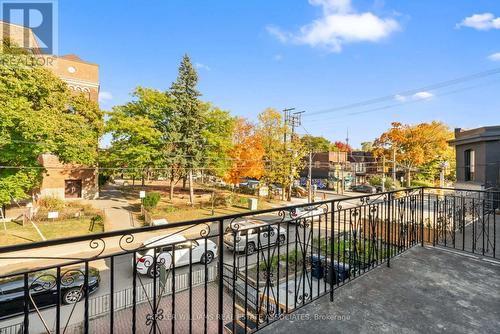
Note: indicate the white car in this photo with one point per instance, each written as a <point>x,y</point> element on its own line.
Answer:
<point>165,252</point>
<point>247,237</point>
<point>310,213</point>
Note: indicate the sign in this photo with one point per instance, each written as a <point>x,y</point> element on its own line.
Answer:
<point>53,215</point>
<point>142,194</point>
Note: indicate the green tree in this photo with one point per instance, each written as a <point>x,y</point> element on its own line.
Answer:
<point>367,146</point>
<point>140,136</point>
<point>39,115</point>
<point>218,135</point>
<point>189,119</point>
<point>284,160</point>
<point>316,143</point>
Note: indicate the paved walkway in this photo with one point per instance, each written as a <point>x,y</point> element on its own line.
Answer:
<point>115,207</point>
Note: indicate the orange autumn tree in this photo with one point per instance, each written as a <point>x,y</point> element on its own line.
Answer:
<point>415,145</point>
<point>247,153</point>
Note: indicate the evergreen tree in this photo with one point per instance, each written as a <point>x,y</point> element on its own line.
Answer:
<point>190,120</point>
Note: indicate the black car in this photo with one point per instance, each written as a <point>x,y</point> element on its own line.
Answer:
<point>43,289</point>
<point>364,188</point>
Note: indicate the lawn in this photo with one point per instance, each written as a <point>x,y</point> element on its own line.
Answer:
<point>17,234</point>
<point>178,209</point>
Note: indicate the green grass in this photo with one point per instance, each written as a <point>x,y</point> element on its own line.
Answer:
<point>18,234</point>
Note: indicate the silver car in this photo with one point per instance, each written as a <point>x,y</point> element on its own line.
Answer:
<point>252,235</point>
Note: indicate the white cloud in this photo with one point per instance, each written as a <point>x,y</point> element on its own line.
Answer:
<point>400,98</point>
<point>485,21</point>
<point>202,66</point>
<point>105,96</point>
<point>494,56</point>
<point>422,96</point>
<point>278,57</point>
<point>417,96</point>
<point>339,24</point>
<point>278,33</point>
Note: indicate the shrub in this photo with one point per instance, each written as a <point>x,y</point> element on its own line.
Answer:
<point>220,199</point>
<point>421,183</point>
<point>151,200</point>
<point>377,181</point>
<point>51,203</point>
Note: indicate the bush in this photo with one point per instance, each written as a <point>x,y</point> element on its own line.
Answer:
<point>377,181</point>
<point>422,183</point>
<point>220,199</point>
<point>151,200</point>
<point>51,203</point>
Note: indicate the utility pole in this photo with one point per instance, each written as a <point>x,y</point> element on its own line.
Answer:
<point>394,166</point>
<point>383,173</point>
<point>309,180</point>
<point>294,120</point>
<point>286,117</point>
<point>342,178</point>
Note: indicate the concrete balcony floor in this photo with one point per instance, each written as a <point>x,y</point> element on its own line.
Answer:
<point>426,290</point>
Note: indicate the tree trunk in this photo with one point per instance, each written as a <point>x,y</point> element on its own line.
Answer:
<point>191,193</point>
<point>171,192</point>
<point>408,178</point>
<point>142,179</point>
<point>133,180</point>
<point>184,180</point>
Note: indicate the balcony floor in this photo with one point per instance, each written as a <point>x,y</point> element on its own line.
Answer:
<point>425,291</point>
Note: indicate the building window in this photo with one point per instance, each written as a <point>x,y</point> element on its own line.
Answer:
<point>73,188</point>
<point>470,165</point>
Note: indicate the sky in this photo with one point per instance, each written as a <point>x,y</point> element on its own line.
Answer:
<point>314,55</point>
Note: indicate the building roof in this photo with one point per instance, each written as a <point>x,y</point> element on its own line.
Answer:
<point>467,136</point>
<point>16,34</point>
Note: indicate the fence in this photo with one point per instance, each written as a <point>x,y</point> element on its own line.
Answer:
<point>275,262</point>
<point>124,299</point>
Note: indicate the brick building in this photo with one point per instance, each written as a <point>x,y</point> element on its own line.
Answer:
<point>478,157</point>
<point>64,181</point>
<point>363,166</point>
<point>326,169</point>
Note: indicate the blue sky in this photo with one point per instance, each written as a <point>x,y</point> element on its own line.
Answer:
<point>313,55</point>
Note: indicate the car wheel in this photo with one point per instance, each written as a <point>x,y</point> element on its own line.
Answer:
<point>151,272</point>
<point>282,239</point>
<point>250,248</point>
<point>207,258</point>
<point>72,296</point>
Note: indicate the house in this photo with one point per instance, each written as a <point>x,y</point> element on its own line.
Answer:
<point>326,167</point>
<point>60,180</point>
<point>478,157</point>
<point>363,166</point>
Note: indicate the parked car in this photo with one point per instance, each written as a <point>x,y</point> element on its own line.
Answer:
<point>247,237</point>
<point>364,188</point>
<point>174,246</point>
<point>310,213</point>
<point>43,289</point>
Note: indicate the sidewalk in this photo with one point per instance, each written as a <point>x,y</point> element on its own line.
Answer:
<point>56,255</point>
<point>115,207</point>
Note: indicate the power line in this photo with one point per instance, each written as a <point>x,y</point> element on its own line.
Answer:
<point>434,86</point>
<point>402,103</point>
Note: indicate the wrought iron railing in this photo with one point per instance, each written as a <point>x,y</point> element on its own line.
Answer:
<point>232,274</point>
